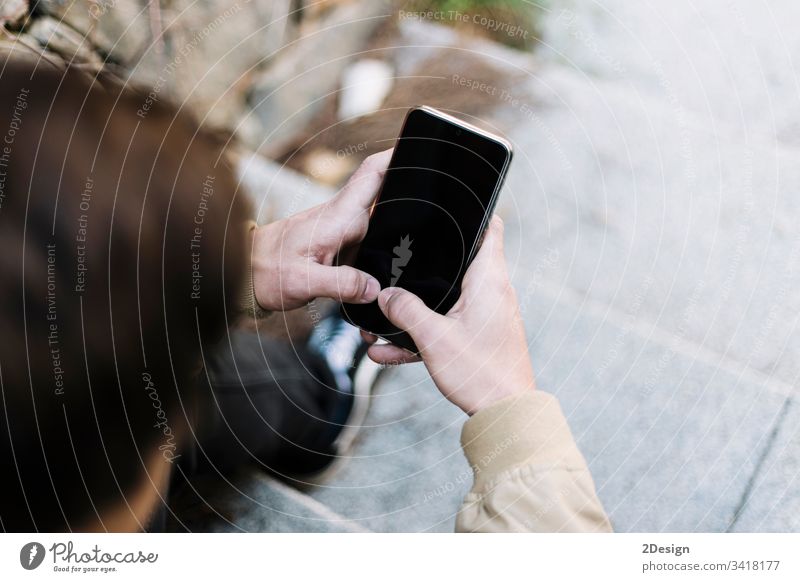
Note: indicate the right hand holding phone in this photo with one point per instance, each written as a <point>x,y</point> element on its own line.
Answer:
<point>477,353</point>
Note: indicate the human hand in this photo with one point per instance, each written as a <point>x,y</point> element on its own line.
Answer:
<point>477,353</point>
<point>292,259</point>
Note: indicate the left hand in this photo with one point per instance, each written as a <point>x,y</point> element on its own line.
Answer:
<point>292,259</point>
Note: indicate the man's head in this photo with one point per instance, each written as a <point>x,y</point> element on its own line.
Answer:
<point>122,251</point>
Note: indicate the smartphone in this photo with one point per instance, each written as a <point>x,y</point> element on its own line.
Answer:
<point>428,219</point>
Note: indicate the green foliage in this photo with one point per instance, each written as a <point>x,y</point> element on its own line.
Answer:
<point>514,22</point>
<point>475,5</point>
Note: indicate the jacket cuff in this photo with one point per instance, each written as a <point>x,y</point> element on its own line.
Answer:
<point>248,303</point>
<point>528,428</point>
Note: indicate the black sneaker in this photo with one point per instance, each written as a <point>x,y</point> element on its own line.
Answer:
<point>342,348</point>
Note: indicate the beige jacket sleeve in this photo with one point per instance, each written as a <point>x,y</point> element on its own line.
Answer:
<point>529,474</point>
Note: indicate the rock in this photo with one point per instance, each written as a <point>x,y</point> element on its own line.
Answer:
<point>291,91</point>
<point>421,41</point>
<point>275,190</point>
<point>365,84</point>
<point>12,12</point>
<point>212,50</point>
<point>328,167</point>
<point>119,28</point>
<point>21,46</point>
<point>63,40</point>
<point>205,54</point>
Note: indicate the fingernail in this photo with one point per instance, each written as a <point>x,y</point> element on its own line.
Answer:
<point>372,290</point>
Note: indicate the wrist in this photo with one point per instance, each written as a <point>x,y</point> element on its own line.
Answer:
<point>504,381</point>
<point>254,275</point>
<point>494,395</point>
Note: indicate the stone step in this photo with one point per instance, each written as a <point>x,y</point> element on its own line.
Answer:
<point>277,191</point>
<point>672,441</point>
<point>654,254</point>
<point>733,62</point>
<point>771,503</point>
<point>639,208</point>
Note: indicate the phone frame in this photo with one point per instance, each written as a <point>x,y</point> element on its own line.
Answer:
<point>463,125</point>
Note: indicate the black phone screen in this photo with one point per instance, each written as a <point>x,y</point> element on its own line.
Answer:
<point>436,195</point>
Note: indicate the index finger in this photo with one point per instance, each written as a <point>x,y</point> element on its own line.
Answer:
<point>363,185</point>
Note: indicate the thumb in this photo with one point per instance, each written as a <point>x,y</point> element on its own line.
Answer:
<point>409,313</point>
<point>343,283</point>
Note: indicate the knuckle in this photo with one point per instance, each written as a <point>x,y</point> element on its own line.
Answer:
<point>352,285</point>
<point>394,306</point>
<point>398,306</point>
<point>376,162</point>
<point>372,161</point>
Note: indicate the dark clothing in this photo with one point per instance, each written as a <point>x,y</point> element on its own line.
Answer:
<point>265,401</point>
<point>260,401</point>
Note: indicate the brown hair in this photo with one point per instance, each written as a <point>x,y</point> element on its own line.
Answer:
<point>122,244</point>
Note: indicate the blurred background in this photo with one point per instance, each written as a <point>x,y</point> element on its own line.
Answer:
<point>650,213</point>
